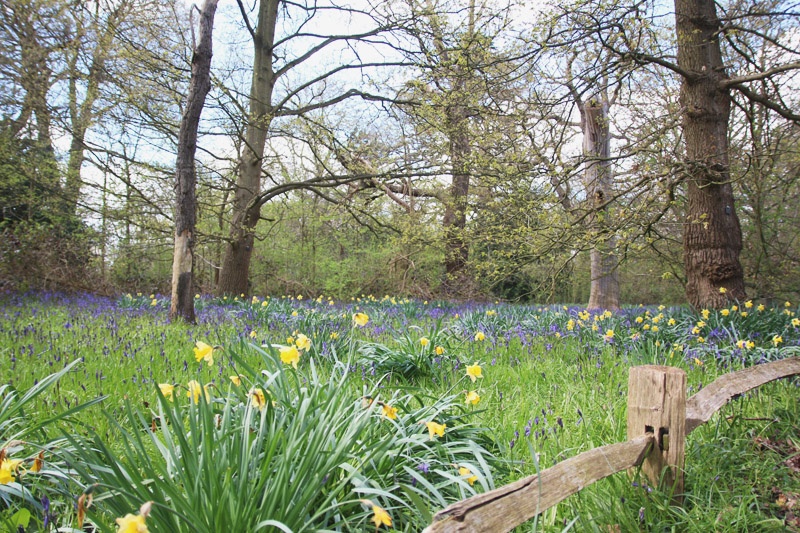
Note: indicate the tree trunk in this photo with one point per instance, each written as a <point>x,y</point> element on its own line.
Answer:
<point>712,237</point>
<point>246,209</point>
<point>182,304</point>
<point>455,214</point>
<point>604,291</point>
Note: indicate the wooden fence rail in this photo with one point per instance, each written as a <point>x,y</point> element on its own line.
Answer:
<point>659,418</point>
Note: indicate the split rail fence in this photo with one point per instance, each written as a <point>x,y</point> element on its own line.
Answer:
<point>659,419</point>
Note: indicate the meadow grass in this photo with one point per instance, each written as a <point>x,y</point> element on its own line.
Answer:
<point>554,384</point>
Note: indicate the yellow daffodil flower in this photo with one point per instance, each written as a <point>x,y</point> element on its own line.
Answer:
<point>194,390</point>
<point>203,351</point>
<point>435,429</point>
<point>290,356</point>
<point>698,362</point>
<point>439,350</point>
<point>748,304</point>
<point>7,470</point>
<point>671,322</point>
<point>723,290</point>
<point>424,341</point>
<point>474,372</point>
<point>776,340</point>
<point>253,334</point>
<point>303,342</point>
<point>389,412</point>
<point>167,390</point>
<point>479,336</point>
<point>609,335</point>
<point>258,399</point>
<point>360,319</point>
<point>131,524</point>
<point>237,380</point>
<point>473,398</point>
<point>462,471</point>
<point>380,517</point>
<point>725,312</point>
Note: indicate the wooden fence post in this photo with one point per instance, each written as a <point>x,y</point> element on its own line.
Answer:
<point>657,405</point>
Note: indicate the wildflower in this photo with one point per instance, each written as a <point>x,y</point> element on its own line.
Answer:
<point>258,399</point>
<point>303,342</point>
<point>237,380</point>
<point>671,322</point>
<point>744,314</point>
<point>698,362</point>
<point>264,303</point>
<point>439,350</point>
<point>760,307</point>
<point>655,329</point>
<point>335,335</point>
<point>290,340</point>
<point>194,390</point>
<point>701,324</point>
<point>465,472</point>
<point>748,304</point>
<point>203,351</point>
<point>290,355</point>
<point>424,341</point>
<point>750,345</point>
<point>787,304</point>
<point>796,322</point>
<point>695,330</point>
<point>725,312</point>
<point>639,320</point>
<point>154,302</point>
<point>360,319</point>
<point>479,336</point>
<point>253,334</point>
<point>7,470</point>
<point>723,290</point>
<point>389,412</point>
<point>473,398</point>
<point>646,326</point>
<point>167,390</point>
<point>609,336</point>
<point>379,517</point>
<point>734,308</point>
<point>435,429</point>
<point>701,340</point>
<point>294,313</point>
<point>474,372</point>
<point>132,524</point>
<point>776,340</point>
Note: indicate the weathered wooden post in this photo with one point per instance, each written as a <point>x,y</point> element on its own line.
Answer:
<point>657,405</point>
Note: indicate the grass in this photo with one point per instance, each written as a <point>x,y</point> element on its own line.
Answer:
<point>552,387</point>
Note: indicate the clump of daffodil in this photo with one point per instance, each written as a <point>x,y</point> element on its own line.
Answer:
<point>204,352</point>
<point>435,429</point>
<point>360,319</point>
<point>290,355</point>
<point>474,372</point>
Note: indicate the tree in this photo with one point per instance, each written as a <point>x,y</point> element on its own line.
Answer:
<point>182,303</point>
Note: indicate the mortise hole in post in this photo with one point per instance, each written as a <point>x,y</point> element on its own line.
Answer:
<point>663,438</point>
<point>648,429</point>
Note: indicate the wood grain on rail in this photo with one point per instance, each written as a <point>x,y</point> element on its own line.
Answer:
<point>702,406</point>
<point>506,507</point>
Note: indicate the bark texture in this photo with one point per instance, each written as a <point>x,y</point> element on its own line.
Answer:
<point>604,291</point>
<point>182,303</point>
<point>233,278</point>
<point>712,238</point>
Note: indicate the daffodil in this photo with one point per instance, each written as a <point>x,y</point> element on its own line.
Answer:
<point>253,334</point>
<point>38,462</point>
<point>479,336</point>
<point>360,319</point>
<point>7,470</point>
<point>435,429</point>
<point>776,340</point>
<point>303,342</point>
<point>194,390</point>
<point>131,523</point>
<point>237,380</point>
<point>258,399</point>
<point>698,362</point>
<point>725,312</point>
<point>474,372</point>
<point>723,290</point>
<point>389,412</point>
<point>609,335</point>
<point>424,341</point>
<point>290,355</point>
<point>473,398</point>
<point>380,517</point>
<point>462,471</point>
<point>439,350</point>
<point>203,351</point>
<point>167,390</point>
<point>760,307</point>
<point>671,322</point>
